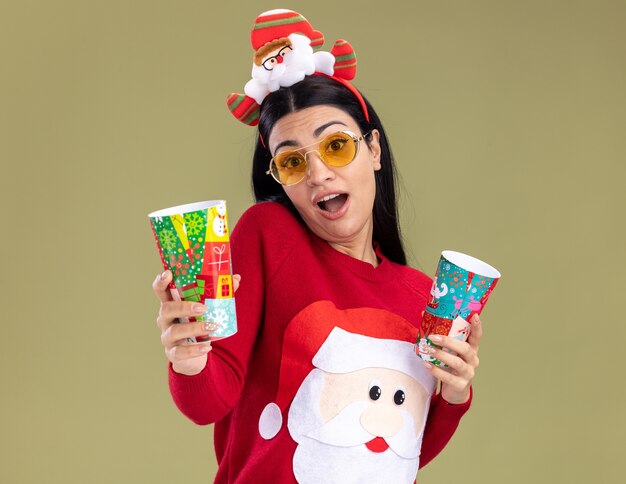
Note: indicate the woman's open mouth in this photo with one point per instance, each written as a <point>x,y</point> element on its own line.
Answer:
<point>333,206</point>
<point>333,203</point>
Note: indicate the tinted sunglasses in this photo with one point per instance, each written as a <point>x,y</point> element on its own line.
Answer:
<point>336,149</point>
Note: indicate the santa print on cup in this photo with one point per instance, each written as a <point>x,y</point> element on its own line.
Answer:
<point>461,289</point>
<point>356,395</point>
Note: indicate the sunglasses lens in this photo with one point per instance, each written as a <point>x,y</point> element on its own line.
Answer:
<point>338,149</point>
<point>288,167</point>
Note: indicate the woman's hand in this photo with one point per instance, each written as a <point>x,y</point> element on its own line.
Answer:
<point>457,379</point>
<point>187,358</point>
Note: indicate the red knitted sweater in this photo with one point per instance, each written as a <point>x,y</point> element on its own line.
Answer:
<point>285,268</point>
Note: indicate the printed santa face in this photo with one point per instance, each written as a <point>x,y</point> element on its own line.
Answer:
<point>364,425</point>
<point>272,54</point>
<point>284,62</point>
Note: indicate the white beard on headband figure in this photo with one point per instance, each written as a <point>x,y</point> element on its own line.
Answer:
<point>286,65</point>
<point>361,426</point>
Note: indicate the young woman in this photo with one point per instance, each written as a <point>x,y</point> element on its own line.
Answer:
<point>319,253</point>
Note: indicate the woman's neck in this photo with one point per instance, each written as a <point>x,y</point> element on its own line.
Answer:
<point>364,253</point>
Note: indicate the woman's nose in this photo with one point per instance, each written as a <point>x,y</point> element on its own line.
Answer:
<point>317,171</point>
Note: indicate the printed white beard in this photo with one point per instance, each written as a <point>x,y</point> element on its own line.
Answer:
<point>335,451</point>
<point>315,462</point>
<point>345,430</point>
<point>297,64</point>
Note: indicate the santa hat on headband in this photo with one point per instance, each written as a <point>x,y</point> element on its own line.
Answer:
<point>273,30</point>
<point>341,341</point>
<point>276,24</point>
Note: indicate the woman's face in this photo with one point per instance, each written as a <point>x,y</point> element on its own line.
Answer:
<point>346,219</point>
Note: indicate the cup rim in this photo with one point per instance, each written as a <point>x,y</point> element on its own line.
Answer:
<point>471,264</point>
<point>186,208</point>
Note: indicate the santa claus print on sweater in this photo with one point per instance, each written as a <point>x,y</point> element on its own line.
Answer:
<point>356,393</point>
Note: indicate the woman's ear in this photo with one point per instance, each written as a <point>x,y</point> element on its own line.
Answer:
<point>374,148</point>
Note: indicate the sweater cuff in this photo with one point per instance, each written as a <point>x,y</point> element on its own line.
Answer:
<point>188,384</point>
<point>453,411</point>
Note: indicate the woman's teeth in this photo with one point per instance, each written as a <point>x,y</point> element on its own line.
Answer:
<point>329,197</point>
<point>332,203</point>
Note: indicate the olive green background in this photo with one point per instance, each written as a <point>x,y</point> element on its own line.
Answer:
<point>507,120</point>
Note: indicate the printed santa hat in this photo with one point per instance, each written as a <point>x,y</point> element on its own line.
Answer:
<point>341,341</point>
<point>280,24</point>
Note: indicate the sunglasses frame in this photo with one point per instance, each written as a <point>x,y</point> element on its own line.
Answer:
<point>357,141</point>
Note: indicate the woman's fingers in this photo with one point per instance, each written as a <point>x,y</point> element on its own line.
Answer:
<point>172,310</point>
<point>159,286</point>
<point>180,353</point>
<point>458,366</point>
<point>186,358</point>
<point>444,375</point>
<point>454,389</point>
<point>476,333</point>
<point>462,360</point>
<point>457,378</point>
<point>177,333</point>
<point>462,348</point>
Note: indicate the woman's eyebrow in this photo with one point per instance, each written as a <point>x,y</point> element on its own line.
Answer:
<point>287,142</point>
<point>319,130</point>
<point>316,133</point>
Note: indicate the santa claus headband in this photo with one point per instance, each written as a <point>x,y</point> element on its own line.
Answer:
<point>284,43</point>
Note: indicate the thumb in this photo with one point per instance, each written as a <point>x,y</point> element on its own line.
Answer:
<point>160,286</point>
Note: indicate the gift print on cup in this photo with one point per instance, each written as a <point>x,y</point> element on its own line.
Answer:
<point>193,242</point>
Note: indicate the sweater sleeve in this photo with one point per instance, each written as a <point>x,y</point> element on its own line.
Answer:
<point>443,419</point>
<point>211,394</point>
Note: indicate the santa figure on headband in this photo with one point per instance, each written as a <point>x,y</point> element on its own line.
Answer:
<point>284,44</point>
<point>357,411</point>
<point>283,62</point>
